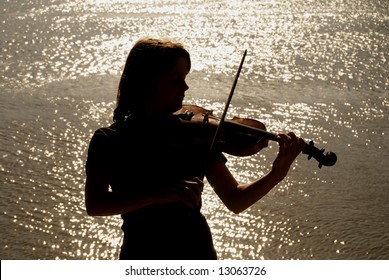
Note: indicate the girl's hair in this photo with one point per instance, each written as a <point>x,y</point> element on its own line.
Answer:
<point>147,60</point>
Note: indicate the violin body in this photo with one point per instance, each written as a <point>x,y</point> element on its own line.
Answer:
<point>239,136</point>
<point>233,139</point>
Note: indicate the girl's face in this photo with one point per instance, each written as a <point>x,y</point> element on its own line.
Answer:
<point>170,90</point>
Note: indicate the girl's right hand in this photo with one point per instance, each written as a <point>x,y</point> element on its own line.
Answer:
<point>187,191</point>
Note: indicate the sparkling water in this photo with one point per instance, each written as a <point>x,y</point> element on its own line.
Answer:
<point>315,67</point>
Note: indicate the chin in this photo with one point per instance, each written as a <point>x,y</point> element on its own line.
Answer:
<point>178,106</point>
<point>174,109</point>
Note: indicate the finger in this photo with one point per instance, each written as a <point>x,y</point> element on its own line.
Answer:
<point>282,140</point>
<point>292,136</point>
<point>290,144</point>
<point>182,196</point>
<point>200,183</point>
<point>196,186</point>
<point>297,142</point>
<point>189,192</point>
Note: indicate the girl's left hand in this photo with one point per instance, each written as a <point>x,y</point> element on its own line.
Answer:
<point>290,146</point>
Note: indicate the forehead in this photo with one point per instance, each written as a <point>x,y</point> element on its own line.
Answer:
<point>181,66</point>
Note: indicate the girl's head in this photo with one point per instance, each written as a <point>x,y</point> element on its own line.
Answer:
<point>149,61</point>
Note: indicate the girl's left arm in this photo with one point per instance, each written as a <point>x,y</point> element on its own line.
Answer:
<point>238,196</point>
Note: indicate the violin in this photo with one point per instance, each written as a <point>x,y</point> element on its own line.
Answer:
<point>240,136</point>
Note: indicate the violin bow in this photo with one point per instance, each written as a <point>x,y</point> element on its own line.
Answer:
<point>216,135</point>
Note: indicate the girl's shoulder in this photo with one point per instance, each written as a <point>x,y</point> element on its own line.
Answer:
<point>105,136</point>
<point>107,132</point>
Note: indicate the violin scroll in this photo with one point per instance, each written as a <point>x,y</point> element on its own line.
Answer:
<point>329,159</point>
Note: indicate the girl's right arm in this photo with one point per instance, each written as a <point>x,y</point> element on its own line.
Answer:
<point>100,201</point>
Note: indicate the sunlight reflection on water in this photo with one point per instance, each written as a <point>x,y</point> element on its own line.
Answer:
<point>313,67</point>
